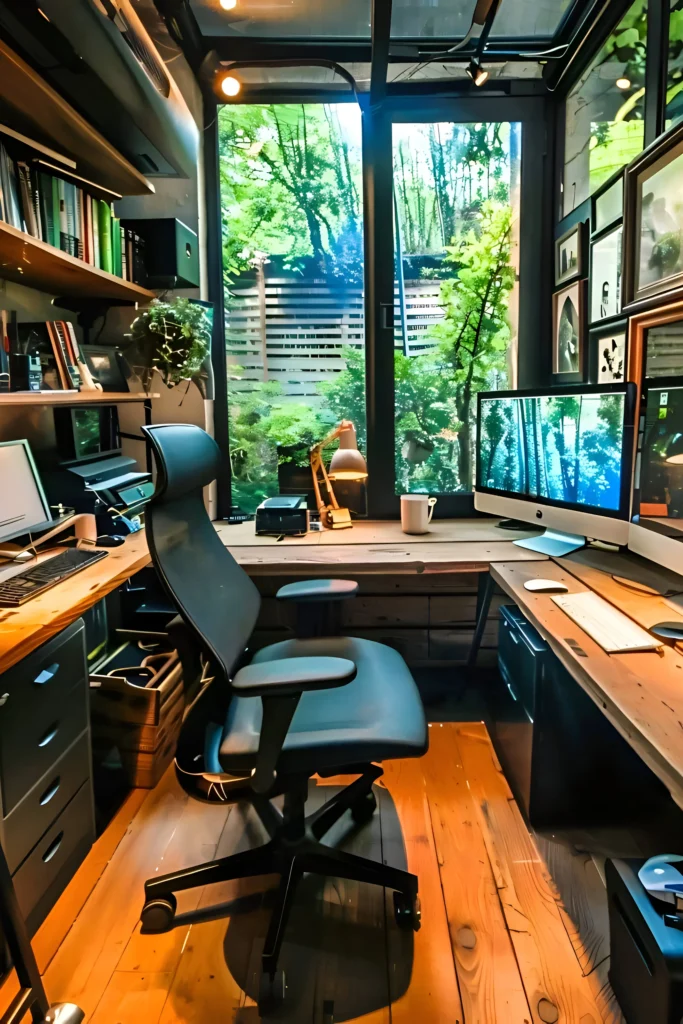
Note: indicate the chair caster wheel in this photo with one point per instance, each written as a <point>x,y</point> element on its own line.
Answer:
<point>272,989</point>
<point>158,913</point>
<point>407,913</point>
<point>364,808</point>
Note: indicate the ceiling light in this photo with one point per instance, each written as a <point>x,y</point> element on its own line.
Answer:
<point>228,5</point>
<point>623,83</point>
<point>231,86</point>
<point>477,73</point>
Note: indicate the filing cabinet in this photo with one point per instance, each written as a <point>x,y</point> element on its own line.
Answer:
<point>47,821</point>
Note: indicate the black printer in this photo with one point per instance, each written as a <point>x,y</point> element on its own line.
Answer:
<point>285,515</point>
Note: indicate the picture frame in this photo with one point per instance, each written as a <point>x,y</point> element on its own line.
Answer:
<point>569,255</point>
<point>568,334</point>
<point>653,224</point>
<point>606,254</point>
<point>607,204</point>
<point>608,352</point>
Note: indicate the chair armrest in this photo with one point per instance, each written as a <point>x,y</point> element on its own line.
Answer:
<point>318,590</point>
<point>289,676</point>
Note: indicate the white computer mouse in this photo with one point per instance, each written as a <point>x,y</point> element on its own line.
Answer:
<point>546,587</point>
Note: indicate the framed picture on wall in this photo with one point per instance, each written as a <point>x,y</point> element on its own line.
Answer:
<point>607,352</point>
<point>607,204</point>
<point>605,275</point>
<point>568,261</point>
<point>653,220</point>
<point>568,333</point>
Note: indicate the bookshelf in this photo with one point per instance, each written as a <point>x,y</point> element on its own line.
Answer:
<point>71,398</point>
<point>34,263</point>
<point>47,113</point>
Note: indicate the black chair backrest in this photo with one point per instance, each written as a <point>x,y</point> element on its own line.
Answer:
<point>213,593</point>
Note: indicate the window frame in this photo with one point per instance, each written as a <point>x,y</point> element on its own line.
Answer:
<point>536,114</point>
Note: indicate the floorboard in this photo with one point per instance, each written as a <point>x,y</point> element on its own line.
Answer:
<point>501,941</point>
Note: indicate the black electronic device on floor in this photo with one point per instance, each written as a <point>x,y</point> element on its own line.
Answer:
<point>31,582</point>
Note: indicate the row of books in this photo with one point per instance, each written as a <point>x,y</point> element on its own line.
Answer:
<point>62,364</point>
<point>38,198</point>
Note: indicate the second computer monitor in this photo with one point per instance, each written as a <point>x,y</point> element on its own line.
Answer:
<point>560,458</point>
<point>23,505</point>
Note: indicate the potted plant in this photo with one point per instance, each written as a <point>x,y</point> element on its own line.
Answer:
<point>173,338</point>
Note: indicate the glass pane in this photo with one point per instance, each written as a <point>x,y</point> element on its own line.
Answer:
<point>664,350</point>
<point>674,83</point>
<point>282,19</point>
<point>291,196</point>
<point>439,70</point>
<point>604,111</point>
<point>456,193</point>
<point>444,19</point>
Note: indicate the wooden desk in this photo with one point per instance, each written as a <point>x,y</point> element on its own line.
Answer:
<point>640,693</point>
<point>452,546</point>
<point>27,627</point>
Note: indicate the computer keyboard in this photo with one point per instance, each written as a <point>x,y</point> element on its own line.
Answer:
<point>611,629</point>
<point>35,580</point>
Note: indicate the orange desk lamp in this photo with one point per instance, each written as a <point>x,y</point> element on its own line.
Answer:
<point>347,464</point>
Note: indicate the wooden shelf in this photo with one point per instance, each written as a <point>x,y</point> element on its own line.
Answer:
<point>50,116</point>
<point>73,398</point>
<point>36,264</point>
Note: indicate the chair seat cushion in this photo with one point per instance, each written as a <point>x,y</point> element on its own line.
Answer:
<point>375,717</point>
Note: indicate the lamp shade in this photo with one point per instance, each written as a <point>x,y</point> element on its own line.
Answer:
<point>674,451</point>
<point>347,464</point>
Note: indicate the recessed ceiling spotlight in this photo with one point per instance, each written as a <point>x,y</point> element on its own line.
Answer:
<point>623,83</point>
<point>477,73</point>
<point>231,86</point>
<point>228,5</point>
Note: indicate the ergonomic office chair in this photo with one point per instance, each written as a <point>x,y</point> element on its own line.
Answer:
<point>303,706</point>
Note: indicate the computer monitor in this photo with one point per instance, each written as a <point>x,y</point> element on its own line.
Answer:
<point>560,458</point>
<point>656,530</point>
<point>23,505</point>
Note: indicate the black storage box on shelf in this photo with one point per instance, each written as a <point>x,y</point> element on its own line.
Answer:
<point>565,762</point>
<point>171,251</point>
<point>646,955</point>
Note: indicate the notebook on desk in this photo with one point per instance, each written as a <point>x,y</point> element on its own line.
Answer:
<point>610,628</point>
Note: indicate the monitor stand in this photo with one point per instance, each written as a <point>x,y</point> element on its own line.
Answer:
<point>552,543</point>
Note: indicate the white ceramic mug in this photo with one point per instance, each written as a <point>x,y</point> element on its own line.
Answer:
<point>416,512</point>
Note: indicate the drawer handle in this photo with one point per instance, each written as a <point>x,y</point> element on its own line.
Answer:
<point>53,847</point>
<point>47,674</point>
<point>50,792</point>
<point>49,736</point>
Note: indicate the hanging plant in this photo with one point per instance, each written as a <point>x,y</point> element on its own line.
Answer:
<point>173,338</point>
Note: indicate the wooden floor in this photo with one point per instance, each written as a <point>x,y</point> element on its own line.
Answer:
<point>496,944</point>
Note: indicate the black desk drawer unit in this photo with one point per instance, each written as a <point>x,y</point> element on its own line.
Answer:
<point>46,804</point>
<point>565,762</point>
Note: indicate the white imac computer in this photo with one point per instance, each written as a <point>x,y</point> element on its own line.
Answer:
<point>560,458</point>
<point>23,505</point>
<point>656,530</point>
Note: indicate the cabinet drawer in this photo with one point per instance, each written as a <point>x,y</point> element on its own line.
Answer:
<point>55,667</point>
<point>73,828</point>
<point>36,744</point>
<point>33,815</point>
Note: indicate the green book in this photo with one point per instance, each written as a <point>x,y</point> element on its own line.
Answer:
<point>104,217</point>
<point>55,214</point>
<point>116,246</point>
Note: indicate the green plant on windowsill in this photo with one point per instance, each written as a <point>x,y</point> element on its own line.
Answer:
<point>173,338</point>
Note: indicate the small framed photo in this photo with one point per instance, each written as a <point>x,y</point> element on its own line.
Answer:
<point>605,275</point>
<point>607,204</point>
<point>568,261</point>
<point>568,333</point>
<point>608,349</point>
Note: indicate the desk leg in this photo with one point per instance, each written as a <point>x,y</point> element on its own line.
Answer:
<point>485,587</point>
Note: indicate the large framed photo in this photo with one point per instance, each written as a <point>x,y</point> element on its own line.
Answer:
<point>607,204</point>
<point>654,220</point>
<point>607,348</point>
<point>568,255</point>
<point>568,333</point>
<point>605,276</point>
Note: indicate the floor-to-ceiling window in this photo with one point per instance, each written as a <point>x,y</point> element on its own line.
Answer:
<point>291,199</point>
<point>456,193</point>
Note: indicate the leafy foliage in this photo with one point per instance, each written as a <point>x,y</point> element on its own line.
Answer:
<point>173,338</point>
